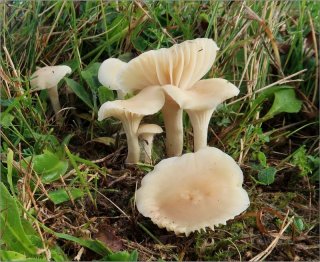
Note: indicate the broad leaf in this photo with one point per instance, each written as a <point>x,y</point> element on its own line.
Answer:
<point>90,75</point>
<point>122,256</point>
<point>105,94</point>
<point>79,91</point>
<point>48,166</point>
<point>285,101</point>
<point>11,230</point>
<point>266,176</point>
<point>61,195</point>
<point>11,256</point>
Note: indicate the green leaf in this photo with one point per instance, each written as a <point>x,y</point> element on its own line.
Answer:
<point>79,91</point>
<point>11,230</point>
<point>285,101</point>
<point>48,166</point>
<point>11,256</point>
<point>266,176</point>
<point>61,195</point>
<point>94,245</point>
<point>122,256</point>
<point>9,169</point>
<point>6,120</point>
<point>90,75</point>
<point>262,158</point>
<point>298,223</point>
<point>105,94</point>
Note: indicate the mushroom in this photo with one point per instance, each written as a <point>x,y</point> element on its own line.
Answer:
<point>108,72</point>
<point>194,191</point>
<point>130,112</point>
<point>146,133</point>
<point>181,66</point>
<point>200,101</point>
<point>48,78</point>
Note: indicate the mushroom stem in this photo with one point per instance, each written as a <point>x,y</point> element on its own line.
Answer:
<point>172,117</point>
<point>121,94</point>
<point>200,121</point>
<point>147,143</point>
<point>54,98</point>
<point>130,127</point>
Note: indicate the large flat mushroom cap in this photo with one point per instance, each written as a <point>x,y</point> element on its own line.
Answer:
<point>48,76</point>
<point>108,73</point>
<point>192,192</point>
<point>147,102</point>
<point>181,65</point>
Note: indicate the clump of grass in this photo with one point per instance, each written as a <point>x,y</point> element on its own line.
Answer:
<point>67,187</point>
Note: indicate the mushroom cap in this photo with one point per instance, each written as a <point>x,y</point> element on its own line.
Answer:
<point>48,76</point>
<point>192,192</point>
<point>108,72</point>
<point>147,102</point>
<point>181,65</point>
<point>149,129</point>
<point>205,94</point>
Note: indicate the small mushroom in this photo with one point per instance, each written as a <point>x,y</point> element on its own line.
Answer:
<point>108,72</point>
<point>48,78</point>
<point>194,191</point>
<point>200,101</point>
<point>146,132</point>
<point>130,112</point>
<point>181,66</point>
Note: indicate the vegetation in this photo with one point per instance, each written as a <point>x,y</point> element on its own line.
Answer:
<point>66,193</point>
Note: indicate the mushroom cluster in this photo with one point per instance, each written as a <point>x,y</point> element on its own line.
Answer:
<point>177,72</point>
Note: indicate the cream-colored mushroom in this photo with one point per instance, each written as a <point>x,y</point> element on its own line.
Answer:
<point>192,192</point>
<point>146,133</point>
<point>107,75</point>
<point>130,112</point>
<point>181,66</point>
<point>200,101</point>
<point>48,78</point>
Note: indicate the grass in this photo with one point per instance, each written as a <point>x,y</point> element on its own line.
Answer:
<point>68,187</point>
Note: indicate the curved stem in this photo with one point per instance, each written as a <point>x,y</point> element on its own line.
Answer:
<point>55,102</point>
<point>172,117</point>
<point>200,122</point>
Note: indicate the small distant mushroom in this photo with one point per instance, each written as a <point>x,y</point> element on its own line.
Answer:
<point>200,101</point>
<point>130,112</point>
<point>189,193</point>
<point>48,78</point>
<point>181,66</point>
<point>108,72</point>
<point>146,133</point>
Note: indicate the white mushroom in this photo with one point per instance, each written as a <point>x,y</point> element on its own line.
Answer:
<point>192,192</point>
<point>48,78</point>
<point>200,101</point>
<point>146,133</point>
<point>130,112</point>
<point>108,72</point>
<point>181,65</point>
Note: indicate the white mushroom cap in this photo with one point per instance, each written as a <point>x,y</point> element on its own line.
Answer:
<point>149,129</point>
<point>147,102</point>
<point>48,77</point>
<point>192,192</point>
<point>108,72</point>
<point>181,65</point>
<point>205,94</point>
